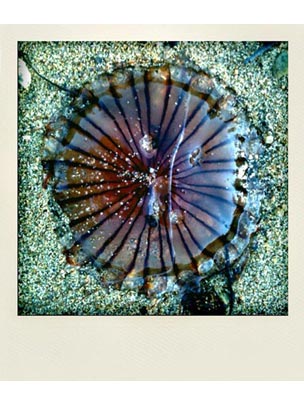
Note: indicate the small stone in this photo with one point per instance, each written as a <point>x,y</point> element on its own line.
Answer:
<point>24,76</point>
<point>280,66</point>
<point>27,138</point>
<point>269,139</point>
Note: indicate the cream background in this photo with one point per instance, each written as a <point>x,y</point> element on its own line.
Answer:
<point>148,348</point>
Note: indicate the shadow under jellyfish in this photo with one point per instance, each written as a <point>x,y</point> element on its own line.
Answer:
<point>155,172</point>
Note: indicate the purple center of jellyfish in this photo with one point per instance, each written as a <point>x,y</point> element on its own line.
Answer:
<point>146,172</point>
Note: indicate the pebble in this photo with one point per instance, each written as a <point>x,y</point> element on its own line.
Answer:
<point>24,75</point>
<point>269,139</point>
<point>280,66</point>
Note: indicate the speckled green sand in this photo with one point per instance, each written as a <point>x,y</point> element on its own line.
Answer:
<point>50,286</point>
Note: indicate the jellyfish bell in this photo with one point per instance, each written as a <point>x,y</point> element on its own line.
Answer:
<point>151,169</point>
